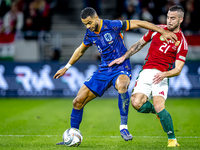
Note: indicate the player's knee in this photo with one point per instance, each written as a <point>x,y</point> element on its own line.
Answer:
<point>77,103</point>
<point>122,87</point>
<point>135,102</point>
<point>158,107</point>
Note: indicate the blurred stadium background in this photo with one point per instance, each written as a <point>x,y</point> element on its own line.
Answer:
<point>42,35</point>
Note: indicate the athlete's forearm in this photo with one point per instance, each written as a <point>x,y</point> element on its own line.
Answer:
<point>78,53</point>
<point>176,71</point>
<point>147,25</point>
<point>75,57</point>
<point>150,26</point>
<point>172,73</point>
<point>135,48</point>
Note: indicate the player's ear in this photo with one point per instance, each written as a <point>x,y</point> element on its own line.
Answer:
<point>181,20</point>
<point>96,16</point>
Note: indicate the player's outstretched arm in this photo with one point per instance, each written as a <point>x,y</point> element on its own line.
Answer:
<point>75,57</point>
<point>147,25</point>
<point>167,74</point>
<point>117,61</point>
<point>133,49</point>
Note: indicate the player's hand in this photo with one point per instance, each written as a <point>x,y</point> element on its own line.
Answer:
<point>158,77</point>
<point>169,36</point>
<point>60,73</point>
<point>117,61</point>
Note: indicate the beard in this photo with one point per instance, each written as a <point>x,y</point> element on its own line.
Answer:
<point>174,27</point>
<point>96,27</point>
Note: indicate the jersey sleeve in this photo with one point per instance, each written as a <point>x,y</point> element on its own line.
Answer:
<point>126,25</point>
<point>116,25</point>
<point>86,42</point>
<point>148,36</point>
<point>182,50</point>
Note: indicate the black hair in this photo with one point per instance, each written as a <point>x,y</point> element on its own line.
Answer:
<point>177,8</point>
<point>86,12</point>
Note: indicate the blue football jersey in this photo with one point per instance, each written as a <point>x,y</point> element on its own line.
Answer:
<point>110,44</point>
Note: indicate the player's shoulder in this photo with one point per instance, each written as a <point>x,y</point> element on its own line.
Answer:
<point>182,38</point>
<point>112,22</point>
<point>180,33</point>
<point>150,32</point>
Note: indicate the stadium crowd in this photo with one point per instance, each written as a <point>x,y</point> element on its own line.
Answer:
<point>29,15</point>
<point>27,18</point>
<point>22,19</point>
<point>35,15</point>
<point>155,11</point>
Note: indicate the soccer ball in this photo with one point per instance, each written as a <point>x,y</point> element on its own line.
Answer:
<point>72,137</point>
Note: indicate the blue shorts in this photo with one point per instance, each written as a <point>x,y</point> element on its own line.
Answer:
<point>99,82</point>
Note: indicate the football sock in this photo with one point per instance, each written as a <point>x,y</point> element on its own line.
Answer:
<point>167,124</point>
<point>123,127</point>
<point>76,118</point>
<point>123,104</point>
<point>147,108</point>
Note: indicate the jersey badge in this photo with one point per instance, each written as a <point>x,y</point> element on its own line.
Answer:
<point>108,38</point>
<point>177,43</point>
<point>161,38</point>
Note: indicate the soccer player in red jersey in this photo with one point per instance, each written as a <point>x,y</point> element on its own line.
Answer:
<point>157,68</point>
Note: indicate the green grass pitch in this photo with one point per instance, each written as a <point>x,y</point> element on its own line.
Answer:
<point>38,124</point>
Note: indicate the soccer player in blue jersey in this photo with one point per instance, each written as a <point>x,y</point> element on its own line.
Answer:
<point>107,36</point>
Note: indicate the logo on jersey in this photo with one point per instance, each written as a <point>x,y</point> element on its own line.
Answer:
<point>182,57</point>
<point>108,38</point>
<point>135,85</point>
<point>88,79</point>
<point>177,43</point>
<point>161,38</point>
<point>162,93</point>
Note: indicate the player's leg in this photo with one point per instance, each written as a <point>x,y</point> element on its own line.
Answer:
<point>159,92</point>
<point>140,102</point>
<point>165,120</point>
<point>142,92</point>
<point>121,85</point>
<point>83,97</point>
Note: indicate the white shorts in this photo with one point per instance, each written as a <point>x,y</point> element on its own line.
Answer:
<point>144,84</point>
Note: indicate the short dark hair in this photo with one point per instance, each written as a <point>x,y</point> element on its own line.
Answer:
<point>86,12</point>
<point>177,8</point>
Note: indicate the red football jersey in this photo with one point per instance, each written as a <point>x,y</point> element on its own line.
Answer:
<point>161,55</point>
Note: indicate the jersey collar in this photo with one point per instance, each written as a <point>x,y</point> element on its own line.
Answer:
<point>101,24</point>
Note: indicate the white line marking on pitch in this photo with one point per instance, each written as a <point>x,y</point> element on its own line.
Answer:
<point>30,135</point>
<point>184,137</point>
